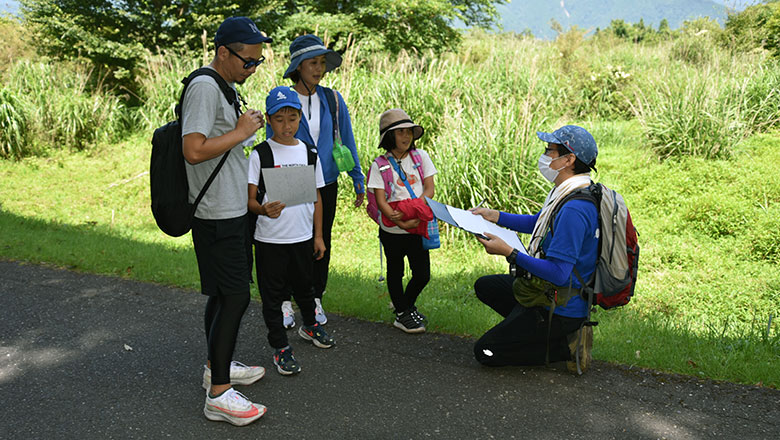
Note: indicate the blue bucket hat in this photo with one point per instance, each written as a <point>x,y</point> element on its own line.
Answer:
<point>280,97</point>
<point>575,139</point>
<point>310,46</point>
<point>239,30</point>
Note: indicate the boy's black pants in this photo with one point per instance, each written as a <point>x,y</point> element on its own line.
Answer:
<point>284,268</point>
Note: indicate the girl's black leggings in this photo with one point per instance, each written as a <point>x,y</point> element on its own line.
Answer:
<point>396,247</point>
<point>222,320</point>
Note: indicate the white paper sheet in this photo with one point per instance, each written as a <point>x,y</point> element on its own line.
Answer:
<point>290,185</point>
<point>478,225</point>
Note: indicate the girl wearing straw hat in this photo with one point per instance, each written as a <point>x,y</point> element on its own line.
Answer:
<point>397,136</point>
<point>330,129</point>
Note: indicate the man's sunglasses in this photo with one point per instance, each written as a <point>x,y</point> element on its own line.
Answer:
<point>248,64</point>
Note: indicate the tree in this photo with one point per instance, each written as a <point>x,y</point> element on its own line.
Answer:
<point>115,33</point>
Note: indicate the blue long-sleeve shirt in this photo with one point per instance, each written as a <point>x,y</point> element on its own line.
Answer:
<point>574,244</point>
<point>330,170</point>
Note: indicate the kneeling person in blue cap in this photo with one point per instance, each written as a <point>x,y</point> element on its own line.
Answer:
<point>529,333</point>
<point>287,239</point>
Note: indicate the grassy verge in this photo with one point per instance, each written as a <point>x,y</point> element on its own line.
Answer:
<point>709,274</point>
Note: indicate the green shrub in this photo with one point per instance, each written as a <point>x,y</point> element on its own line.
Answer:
<point>13,125</point>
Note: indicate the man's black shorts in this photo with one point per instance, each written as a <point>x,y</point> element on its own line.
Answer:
<point>220,246</point>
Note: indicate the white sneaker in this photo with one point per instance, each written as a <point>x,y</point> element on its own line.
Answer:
<point>232,407</point>
<point>319,313</point>
<point>240,374</point>
<point>288,315</point>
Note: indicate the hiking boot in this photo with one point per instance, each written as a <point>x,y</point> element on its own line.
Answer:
<point>317,335</point>
<point>288,315</point>
<point>232,407</point>
<point>407,322</point>
<point>240,374</point>
<point>319,313</point>
<point>285,362</point>
<point>581,348</point>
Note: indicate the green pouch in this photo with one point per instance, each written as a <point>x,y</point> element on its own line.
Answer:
<point>343,157</point>
<point>531,291</point>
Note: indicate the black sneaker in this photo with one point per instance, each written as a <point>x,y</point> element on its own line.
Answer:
<point>419,316</point>
<point>285,362</point>
<point>317,335</point>
<point>407,322</point>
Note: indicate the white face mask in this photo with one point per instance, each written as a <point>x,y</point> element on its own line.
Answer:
<point>544,167</point>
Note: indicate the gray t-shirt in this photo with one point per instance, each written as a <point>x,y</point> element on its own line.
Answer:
<point>206,110</point>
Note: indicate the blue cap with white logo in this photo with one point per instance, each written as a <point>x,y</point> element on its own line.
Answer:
<point>239,30</point>
<point>280,97</point>
<point>576,139</point>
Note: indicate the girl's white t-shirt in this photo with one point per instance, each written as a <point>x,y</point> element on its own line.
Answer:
<point>399,191</point>
<point>314,119</point>
<point>296,223</point>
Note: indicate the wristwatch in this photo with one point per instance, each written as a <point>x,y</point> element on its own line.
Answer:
<point>512,258</point>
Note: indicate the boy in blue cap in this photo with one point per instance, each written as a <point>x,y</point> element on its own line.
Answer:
<point>287,239</point>
<point>556,250</point>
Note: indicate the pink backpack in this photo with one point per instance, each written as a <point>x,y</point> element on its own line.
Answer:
<point>387,176</point>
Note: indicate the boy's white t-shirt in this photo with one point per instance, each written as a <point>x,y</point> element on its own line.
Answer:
<point>314,120</point>
<point>399,191</point>
<point>296,223</point>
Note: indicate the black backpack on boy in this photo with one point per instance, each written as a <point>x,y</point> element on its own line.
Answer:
<point>171,205</point>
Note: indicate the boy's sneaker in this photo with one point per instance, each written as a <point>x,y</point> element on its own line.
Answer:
<point>319,313</point>
<point>240,374</point>
<point>285,362</point>
<point>232,407</point>
<point>418,316</point>
<point>317,335</point>
<point>407,322</point>
<point>585,346</point>
<point>288,315</point>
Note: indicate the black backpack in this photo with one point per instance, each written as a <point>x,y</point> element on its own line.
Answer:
<point>171,205</point>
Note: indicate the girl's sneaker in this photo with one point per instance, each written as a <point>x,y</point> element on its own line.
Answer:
<point>232,407</point>
<point>407,322</point>
<point>240,374</point>
<point>419,316</point>
<point>319,312</point>
<point>285,362</point>
<point>317,335</point>
<point>288,315</point>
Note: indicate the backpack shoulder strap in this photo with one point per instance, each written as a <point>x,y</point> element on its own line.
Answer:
<point>591,193</point>
<point>311,154</point>
<point>266,161</point>
<point>417,159</point>
<point>385,169</point>
<point>233,98</point>
<point>333,105</point>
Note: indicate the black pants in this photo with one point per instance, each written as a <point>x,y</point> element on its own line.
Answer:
<point>219,247</point>
<point>396,247</point>
<point>521,338</point>
<point>285,268</point>
<point>330,195</point>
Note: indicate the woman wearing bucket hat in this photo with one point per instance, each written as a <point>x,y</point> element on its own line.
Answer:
<point>558,251</point>
<point>401,174</point>
<point>326,124</point>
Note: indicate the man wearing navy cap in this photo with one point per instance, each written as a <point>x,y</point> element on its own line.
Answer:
<point>558,250</point>
<point>211,128</point>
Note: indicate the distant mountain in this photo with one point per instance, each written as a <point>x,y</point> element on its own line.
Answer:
<point>591,14</point>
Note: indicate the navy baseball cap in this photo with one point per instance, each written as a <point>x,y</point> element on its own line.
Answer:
<point>239,30</point>
<point>576,139</point>
<point>280,97</point>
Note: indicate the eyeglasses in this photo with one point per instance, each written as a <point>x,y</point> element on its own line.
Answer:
<point>248,64</point>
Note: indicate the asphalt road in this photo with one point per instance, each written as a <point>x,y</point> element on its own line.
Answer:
<point>88,357</point>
